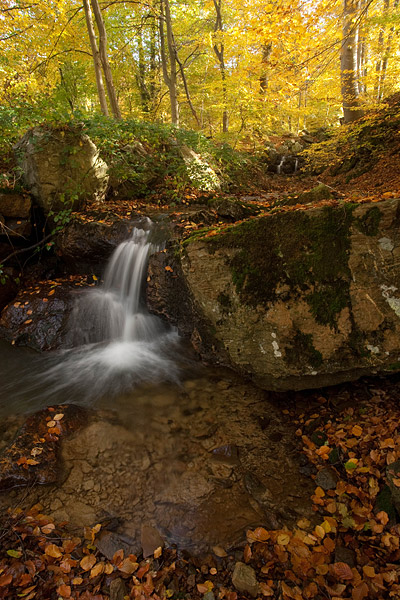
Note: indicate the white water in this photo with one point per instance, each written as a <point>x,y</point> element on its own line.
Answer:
<point>117,342</point>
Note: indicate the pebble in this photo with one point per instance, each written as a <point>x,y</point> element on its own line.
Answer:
<point>244,579</point>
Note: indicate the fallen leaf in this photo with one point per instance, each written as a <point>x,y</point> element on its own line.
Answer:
<point>88,562</point>
<point>53,551</point>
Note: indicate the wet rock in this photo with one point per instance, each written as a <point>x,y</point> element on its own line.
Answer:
<point>9,288</point>
<point>29,460</point>
<point>15,206</point>
<point>18,227</point>
<point>117,589</point>
<point>86,246</point>
<point>108,542</point>
<point>38,316</point>
<point>61,167</point>
<point>327,478</point>
<point>244,579</point>
<point>346,555</point>
<point>317,308</point>
<point>150,540</point>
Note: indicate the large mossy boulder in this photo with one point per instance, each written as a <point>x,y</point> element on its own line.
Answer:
<point>61,167</point>
<point>295,300</point>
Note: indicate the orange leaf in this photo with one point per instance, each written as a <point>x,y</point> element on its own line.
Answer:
<point>369,571</point>
<point>247,553</point>
<point>64,591</point>
<point>170,269</point>
<point>88,562</point>
<point>5,579</point>
<point>356,430</point>
<point>258,535</point>
<point>53,551</point>
<point>77,581</point>
<point>51,293</point>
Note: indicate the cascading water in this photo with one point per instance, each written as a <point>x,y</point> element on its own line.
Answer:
<point>116,343</point>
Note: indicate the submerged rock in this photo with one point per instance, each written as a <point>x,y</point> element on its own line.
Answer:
<point>31,458</point>
<point>295,300</point>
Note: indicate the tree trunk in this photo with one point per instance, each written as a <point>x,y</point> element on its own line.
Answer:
<point>104,60</point>
<point>170,77</point>
<point>219,53</point>
<point>349,63</point>
<point>266,53</point>
<point>96,58</point>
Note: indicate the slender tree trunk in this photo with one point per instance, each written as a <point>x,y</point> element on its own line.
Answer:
<point>141,77</point>
<point>348,64</point>
<point>104,59</point>
<point>219,53</point>
<point>96,58</point>
<point>170,77</point>
<point>386,58</point>
<point>266,53</point>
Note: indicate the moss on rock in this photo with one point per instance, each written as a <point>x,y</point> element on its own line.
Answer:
<point>310,254</point>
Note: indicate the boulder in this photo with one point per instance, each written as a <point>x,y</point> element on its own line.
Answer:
<point>294,300</point>
<point>15,206</point>
<point>61,167</point>
<point>199,172</point>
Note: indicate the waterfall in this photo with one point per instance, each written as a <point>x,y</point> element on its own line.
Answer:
<point>116,343</point>
<point>281,163</point>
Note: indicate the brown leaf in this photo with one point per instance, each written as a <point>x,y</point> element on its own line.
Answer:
<point>342,571</point>
<point>360,592</point>
<point>128,566</point>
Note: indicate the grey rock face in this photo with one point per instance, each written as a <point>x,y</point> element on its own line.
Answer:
<point>62,168</point>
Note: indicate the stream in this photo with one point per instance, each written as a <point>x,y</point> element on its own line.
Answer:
<point>193,451</point>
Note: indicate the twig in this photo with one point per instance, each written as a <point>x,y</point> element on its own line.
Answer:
<point>331,188</point>
<point>21,250</point>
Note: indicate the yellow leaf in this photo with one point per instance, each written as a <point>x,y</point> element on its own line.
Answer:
<point>77,581</point>
<point>58,417</point>
<point>51,424</point>
<point>157,552</point>
<point>356,430</point>
<point>97,570</point>
<point>283,539</point>
<point>320,531</point>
